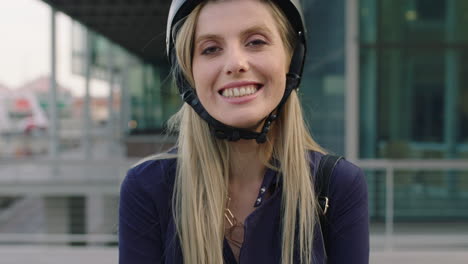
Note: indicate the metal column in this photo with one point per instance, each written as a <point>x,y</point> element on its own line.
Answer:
<point>87,126</point>
<point>352,81</point>
<point>53,116</point>
<point>111,120</point>
<point>451,94</point>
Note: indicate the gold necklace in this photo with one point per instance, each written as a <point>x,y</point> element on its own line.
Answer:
<point>234,232</point>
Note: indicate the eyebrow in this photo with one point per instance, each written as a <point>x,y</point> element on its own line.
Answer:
<point>248,31</point>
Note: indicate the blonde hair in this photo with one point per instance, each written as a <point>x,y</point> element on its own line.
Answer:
<point>201,184</point>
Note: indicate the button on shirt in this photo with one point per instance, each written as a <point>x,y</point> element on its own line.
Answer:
<point>147,230</point>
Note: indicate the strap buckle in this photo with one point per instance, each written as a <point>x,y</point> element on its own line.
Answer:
<point>325,205</point>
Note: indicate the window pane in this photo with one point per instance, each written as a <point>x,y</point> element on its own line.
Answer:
<point>413,80</point>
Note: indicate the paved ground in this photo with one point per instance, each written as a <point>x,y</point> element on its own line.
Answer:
<point>420,257</point>
<point>57,255</point>
<point>68,255</point>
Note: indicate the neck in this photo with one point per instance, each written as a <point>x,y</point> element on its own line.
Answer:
<point>247,167</point>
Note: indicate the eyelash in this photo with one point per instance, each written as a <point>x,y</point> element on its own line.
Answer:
<point>213,49</point>
<point>210,50</point>
<point>256,42</point>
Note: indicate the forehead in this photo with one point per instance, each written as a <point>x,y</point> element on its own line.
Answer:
<point>218,17</point>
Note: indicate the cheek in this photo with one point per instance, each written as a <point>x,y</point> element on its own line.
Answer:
<point>196,73</point>
<point>199,76</point>
<point>277,71</point>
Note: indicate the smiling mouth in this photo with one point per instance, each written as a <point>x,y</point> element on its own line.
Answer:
<point>240,91</point>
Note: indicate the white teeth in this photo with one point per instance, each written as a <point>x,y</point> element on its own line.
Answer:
<point>242,91</point>
<point>239,91</point>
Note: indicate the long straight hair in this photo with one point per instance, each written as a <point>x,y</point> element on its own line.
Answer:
<point>202,176</point>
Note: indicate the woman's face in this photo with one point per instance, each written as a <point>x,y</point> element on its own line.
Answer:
<point>239,63</point>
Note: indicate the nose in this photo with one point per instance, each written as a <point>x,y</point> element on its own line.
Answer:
<point>236,62</point>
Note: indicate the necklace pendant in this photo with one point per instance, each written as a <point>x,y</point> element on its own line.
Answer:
<point>230,217</point>
<point>234,233</point>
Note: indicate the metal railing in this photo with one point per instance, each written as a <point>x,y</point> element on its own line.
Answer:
<point>390,167</point>
<point>74,177</point>
<point>103,177</point>
<point>43,211</point>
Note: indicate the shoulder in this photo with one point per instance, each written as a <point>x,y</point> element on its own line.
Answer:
<point>347,220</point>
<point>144,207</point>
<point>347,185</point>
<point>348,182</point>
<point>345,174</point>
<point>347,195</point>
<point>151,178</point>
<point>156,168</point>
<point>156,171</point>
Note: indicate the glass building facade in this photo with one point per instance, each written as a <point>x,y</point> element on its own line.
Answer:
<point>413,79</point>
<point>413,101</point>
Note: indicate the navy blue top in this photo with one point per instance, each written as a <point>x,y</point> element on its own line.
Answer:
<point>147,229</point>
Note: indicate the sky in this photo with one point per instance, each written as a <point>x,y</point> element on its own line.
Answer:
<point>25,47</point>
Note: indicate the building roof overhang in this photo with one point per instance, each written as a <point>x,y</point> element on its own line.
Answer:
<point>136,25</point>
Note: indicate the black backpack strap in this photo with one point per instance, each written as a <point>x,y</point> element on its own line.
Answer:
<point>325,169</point>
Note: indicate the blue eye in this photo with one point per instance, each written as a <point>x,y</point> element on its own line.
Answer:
<point>210,50</point>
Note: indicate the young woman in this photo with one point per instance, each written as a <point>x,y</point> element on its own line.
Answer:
<point>239,185</point>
